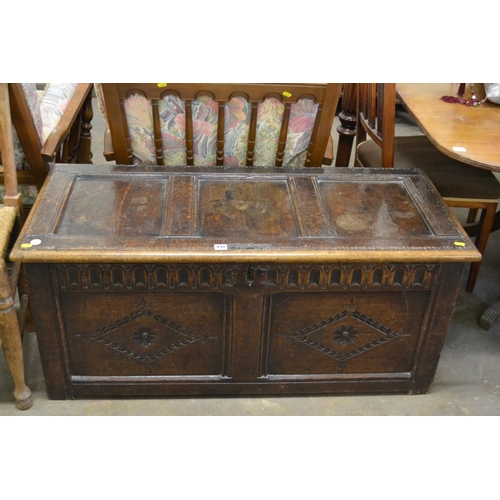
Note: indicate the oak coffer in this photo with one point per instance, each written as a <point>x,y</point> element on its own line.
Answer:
<point>196,281</point>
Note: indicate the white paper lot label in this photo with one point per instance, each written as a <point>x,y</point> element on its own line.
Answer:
<point>220,247</point>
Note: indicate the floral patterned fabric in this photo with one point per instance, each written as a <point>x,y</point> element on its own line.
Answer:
<point>300,127</point>
<point>172,111</point>
<point>237,129</point>
<point>269,118</point>
<point>33,101</point>
<point>33,97</point>
<point>47,108</point>
<point>53,105</point>
<point>139,113</point>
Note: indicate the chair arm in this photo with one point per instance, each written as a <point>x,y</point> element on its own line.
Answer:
<point>109,152</point>
<point>61,131</point>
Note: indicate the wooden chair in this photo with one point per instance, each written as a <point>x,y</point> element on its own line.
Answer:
<point>459,184</point>
<point>55,128</point>
<point>10,214</point>
<point>219,124</point>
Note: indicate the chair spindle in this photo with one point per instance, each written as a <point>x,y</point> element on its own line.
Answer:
<point>283,135</point>
<point>220,133</point>
<point>189,134</point>
<point>128,142</point>
<point>252,133</point>
<point>157,133</point>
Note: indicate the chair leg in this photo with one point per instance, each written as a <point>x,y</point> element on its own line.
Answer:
<point>11,341</point>
<point>485,225</point>
<point>472,215</point>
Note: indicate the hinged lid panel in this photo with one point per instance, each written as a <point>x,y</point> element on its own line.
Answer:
<point>110,213</point>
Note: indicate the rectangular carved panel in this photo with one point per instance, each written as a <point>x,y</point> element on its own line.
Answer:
<point>248,208</point>
<point>108,207</point>
<point>373,208</point>
<point>118,334</point>
<point>328,333</point>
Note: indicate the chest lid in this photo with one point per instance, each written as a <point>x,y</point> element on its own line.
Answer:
<point>108,213</point>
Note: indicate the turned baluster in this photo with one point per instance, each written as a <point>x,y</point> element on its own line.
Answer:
<point>347,127</point>
<point>189,134</point>
<point>220,133</point>
<point>85,147</point>
<point>252,133</point>
<point>157,133</point>
<point>283,135</point>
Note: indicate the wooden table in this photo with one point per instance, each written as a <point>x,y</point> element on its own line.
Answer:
<point>467,133</point>
<point>190,281</point>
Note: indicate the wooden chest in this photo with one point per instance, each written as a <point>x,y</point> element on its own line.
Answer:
<point>186,281</point>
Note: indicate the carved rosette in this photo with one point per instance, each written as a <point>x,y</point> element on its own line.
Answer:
<point>145,336</point>
<point>345,334</point>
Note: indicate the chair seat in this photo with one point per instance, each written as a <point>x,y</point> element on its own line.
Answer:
<point>452,179</point>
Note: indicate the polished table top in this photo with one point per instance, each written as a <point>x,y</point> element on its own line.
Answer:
<point>467,133</point>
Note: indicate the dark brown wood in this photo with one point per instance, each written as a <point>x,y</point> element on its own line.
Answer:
<point>252,134</point>
<point>220,134</point>
<point>347,127</point>
<point>283,133</point>
<point>157,133</point>
<point>84,153</point>
<point>119,128</point>
<point>188,281</point>
<point>325,95</point>
<point>440,310</point>
<point>189,134</point>
<point>374,121</point>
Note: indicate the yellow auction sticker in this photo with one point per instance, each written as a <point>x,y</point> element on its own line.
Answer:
<point>287,94</point>
<point>161,85</point>
<point>459,243</point>
<point>26,245</point>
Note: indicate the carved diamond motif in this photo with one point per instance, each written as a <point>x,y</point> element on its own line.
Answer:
<point>137,334</point>
<point>345,335</point>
